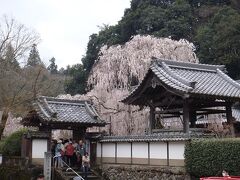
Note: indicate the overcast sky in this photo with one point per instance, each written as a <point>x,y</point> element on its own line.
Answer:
<point>64,25</point>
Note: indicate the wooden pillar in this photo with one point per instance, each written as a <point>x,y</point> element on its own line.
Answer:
<point>79,133</point>
<point>193,118</point>
<point>168,163</point>
<point>151,119</point>
<point>186,116</point>
<point>93,153</point>
<point>230,119</point>
<point>131,154</point>
<point>148,153</point>
<point>116,152</point>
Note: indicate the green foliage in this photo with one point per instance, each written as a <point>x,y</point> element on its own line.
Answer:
<point>11,145</point>
<point>77,83</point>
<point>163,19</point>
<point>219,41</point>
<point>210,157</point>
<point>52,68</point>
<point>34,58</point>
<point>9,60</point>
<point>13,172</point>
<point>212,25</point>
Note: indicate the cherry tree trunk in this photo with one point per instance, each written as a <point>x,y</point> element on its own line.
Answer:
<point>3,121</point>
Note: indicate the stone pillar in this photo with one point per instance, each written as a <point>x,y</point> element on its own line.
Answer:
<point>186,116</point>
<point>79,133</point>
<point>47,165</point>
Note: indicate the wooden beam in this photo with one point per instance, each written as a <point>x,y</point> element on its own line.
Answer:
<point>173,116</point>
<point>207,104</point>
<point>169,111</point>
<point>213,110</point>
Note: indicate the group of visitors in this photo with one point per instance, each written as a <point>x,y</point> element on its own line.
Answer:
<point>72,153</point>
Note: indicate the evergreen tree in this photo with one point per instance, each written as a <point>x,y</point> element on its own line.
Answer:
<point>77,83</point>
<point>219,41</point>
<point>52,68</point>
<point>34,58</point>
<point>178,19</point>
<point>9,59</point>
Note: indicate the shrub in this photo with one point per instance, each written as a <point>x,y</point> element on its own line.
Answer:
<point>11,145</point>
<point>210,156</point>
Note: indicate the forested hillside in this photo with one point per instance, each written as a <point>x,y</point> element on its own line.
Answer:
<point>212,25</point>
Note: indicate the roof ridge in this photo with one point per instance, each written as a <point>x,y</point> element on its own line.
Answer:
<point>190,65</point>
<point>48,108</point>
<point>63,100</point>
<point>89,110</point>
<point>42,109</point>
<point>227,78</point>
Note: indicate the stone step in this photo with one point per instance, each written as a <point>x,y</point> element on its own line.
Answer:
<point>81,174</point>
<point>77,171</point>
<point>88,178</point>
<point>69,175</point>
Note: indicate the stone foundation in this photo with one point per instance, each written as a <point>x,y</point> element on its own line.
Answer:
<point>113,172</point>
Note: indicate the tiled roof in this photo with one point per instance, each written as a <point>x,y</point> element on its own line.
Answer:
<point>236,113</point>
<point>163,136</point>
<point>192,79</point>
<point>57,110</point>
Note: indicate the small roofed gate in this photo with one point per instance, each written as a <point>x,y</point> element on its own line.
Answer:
<point>50,113</point>
<point>185,90</point>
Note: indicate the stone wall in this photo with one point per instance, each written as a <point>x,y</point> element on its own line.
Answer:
<point>143,173</point>
<point>17,168</point>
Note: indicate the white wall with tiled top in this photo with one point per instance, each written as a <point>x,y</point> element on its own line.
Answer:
<point>108,149</point>
<point>176,150</point>
<point>158,150</point>
<point>124,150</point>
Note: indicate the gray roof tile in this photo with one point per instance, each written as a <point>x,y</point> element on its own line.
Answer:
<point>161,136</point>
<point>209,80</point>
<point>67,111</point>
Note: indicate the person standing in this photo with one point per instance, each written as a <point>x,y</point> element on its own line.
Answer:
<point>85,164</point>
<point>58,154</point>
<point>81,149</point>
<point>69,151</point>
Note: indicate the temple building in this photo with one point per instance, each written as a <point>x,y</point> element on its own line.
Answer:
<point>186,91</point>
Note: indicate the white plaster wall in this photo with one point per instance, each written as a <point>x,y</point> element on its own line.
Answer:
<point>124,150</point>
<point>98,149</point>
<point>176,150</point>
<point>140,150</point>
<point>39,146</point>
<point>108,150</point>
<point>158,150</point>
